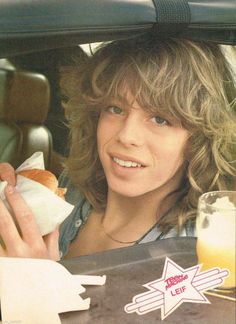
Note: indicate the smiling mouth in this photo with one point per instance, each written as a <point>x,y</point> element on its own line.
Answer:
<point>127,164</point>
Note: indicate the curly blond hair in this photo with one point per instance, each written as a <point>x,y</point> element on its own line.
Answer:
<point>190,81</point>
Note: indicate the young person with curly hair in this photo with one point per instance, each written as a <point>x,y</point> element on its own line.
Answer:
<point>153,126</point>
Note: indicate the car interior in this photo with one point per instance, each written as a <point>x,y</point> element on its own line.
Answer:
<point>37,38</point>
<point>23,114</point>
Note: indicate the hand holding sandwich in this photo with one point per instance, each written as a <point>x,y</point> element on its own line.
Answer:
<point>27,241</point>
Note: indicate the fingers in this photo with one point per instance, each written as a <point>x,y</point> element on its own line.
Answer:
<point>51,242</point>
<point>24,217</point>
<point>7,173</point>
<point>8,230</point>
<point>27,242</point>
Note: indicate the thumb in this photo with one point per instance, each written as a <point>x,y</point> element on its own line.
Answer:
<point>7,173</point>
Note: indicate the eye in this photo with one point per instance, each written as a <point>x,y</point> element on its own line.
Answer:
<point>115,110</point>
<point>160,121</point>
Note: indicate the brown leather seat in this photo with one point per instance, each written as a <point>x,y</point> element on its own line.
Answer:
<point>24,103</point>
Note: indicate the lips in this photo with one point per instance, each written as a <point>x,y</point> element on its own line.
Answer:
<point>128,162</point>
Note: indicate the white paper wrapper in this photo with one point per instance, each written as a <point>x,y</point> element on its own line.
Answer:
<point>36,161</point>
<point>35,291</point>
<point>48,209</point>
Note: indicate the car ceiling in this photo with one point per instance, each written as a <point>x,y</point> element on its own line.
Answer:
<point>33,25</point>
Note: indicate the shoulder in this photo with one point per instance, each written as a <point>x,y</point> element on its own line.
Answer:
<point>70,227</point>
<point>189,228</point>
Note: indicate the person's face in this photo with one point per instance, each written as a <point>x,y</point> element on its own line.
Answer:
<point>139,153</point>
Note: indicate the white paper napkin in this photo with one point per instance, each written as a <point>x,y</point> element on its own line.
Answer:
<point>49,209</point>
<point>36,161</point>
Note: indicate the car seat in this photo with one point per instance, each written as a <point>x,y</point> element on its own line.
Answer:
<point>24,103</point>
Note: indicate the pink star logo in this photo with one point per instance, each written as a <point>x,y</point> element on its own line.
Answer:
<point>176,286</point>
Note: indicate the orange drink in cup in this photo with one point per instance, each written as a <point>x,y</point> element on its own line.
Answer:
<point>216,231</point>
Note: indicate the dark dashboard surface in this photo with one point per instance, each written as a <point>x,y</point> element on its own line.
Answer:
<point>32,25</point>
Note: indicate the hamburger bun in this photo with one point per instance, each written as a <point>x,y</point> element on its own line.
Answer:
<point>46,178</point>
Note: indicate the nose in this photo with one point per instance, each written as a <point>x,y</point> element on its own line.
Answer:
<point>131,131</point>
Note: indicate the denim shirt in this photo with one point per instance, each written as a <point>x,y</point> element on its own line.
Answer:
<point>72,224</point>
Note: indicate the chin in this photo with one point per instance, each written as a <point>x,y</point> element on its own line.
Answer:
<point>126,190</point>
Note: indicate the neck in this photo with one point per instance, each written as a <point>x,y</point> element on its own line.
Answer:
<point>143,211</point>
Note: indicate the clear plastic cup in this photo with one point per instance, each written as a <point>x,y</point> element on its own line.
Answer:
<point>216,231</point>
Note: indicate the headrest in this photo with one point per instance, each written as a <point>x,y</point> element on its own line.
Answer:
<point>24,96</point>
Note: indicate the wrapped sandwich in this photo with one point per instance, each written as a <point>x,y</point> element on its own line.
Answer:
<point>39,188</point>
<point>46,178</point>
